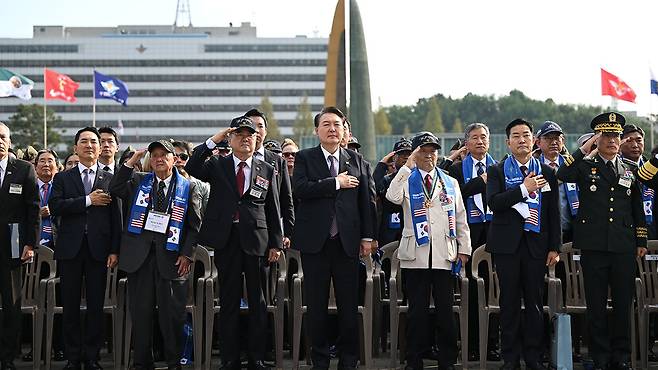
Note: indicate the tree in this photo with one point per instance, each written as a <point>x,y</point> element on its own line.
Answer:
<point>272,125</point>
<point>303,125</point>
<point>458,126</point>
<point>433,120</point>
<point>382,125</point>
<point>26,127</point>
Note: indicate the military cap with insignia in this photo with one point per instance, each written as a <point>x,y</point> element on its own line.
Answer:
<point>353,143</point>
<point>610,122</point>
<point>425,138</point>
<point>548,127</point>
<point>273,146</point>
<point>402,145</point>
<point>164,144</point>
<point>243,122</point>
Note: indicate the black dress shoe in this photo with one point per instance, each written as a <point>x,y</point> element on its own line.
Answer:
<point>511,366</point>
<point>258,365</point>
<point>431,354</point>
<point>70,365</point>
<point>92,365</point>
<point>59,355</point>
<point>8,365</point>
<point>493,355</point>
<point>27,357</point>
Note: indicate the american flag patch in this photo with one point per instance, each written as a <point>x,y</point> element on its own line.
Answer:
<point>648,192</point>
<point>47,229</point>
<point>475,213</point>
<point>138,223</point>
<point>420,212</point>
<point>451,223</point>
<point>575,205</point>
<point>177,213</point>
<point>534,217</point>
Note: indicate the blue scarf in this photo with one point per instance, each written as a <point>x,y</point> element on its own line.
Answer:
<point>513,178</point>
<point>179,203</point>
<point>570,189</point>
<point>418,195</point>
<point>474,214</point>
<point>46,223</point>
<point>648,198</point>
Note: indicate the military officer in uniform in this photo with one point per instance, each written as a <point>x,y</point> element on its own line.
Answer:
<point>610,230</point>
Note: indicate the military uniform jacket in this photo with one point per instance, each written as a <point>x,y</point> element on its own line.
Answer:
<point>610,217</point>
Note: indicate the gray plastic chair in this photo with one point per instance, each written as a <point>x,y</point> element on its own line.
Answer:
<point>365,314</point>
<point>275,291</point>
<point>34,297</point>
<point>381,299</point>
<point>397,309</point>
<point>194,306</point>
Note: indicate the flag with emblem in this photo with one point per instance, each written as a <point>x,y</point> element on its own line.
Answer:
<point>14,84</point>
<point>59,86</point>
<point>614,86</point>
<point>109,87</point>
<point>654,83</point>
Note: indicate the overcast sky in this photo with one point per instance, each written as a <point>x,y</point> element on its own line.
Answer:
<point>417,48</point>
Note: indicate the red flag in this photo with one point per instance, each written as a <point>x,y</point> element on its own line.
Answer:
<point>59,86</point>
<point>613,86</point>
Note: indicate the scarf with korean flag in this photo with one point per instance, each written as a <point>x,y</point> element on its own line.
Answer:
<point>530,209</point>
<point>178,206</point>
<point>417,196</point>
<point>474,213</point>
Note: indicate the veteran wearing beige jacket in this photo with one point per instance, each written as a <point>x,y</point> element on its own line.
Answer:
<point>435,244</point>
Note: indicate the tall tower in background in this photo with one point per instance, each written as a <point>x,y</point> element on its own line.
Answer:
<point>183,14</point>
<point>336,83</point>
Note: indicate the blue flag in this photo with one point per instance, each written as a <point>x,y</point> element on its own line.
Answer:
<point>654,84</point>
<point>108,87</point>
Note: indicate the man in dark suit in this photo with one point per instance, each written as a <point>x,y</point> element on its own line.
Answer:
<point>283,188</point>
<point>471,173</point>
<point>88,231</point>
<point>242,225</point>
<point>610,230</point>
<point>157,248</point>
<point>334,225</point>
<point>20,221</point>
<point>109,149</point>
<point>524,238</point>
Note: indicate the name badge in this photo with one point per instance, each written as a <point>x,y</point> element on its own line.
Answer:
<point>546,188</point>
<point>255,193</point>
<point>157,222</point>
<point>625,182</point>
<point>448,206</point>
<point>15,189</point>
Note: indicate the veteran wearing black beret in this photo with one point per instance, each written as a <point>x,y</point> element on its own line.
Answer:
<point>610,231</point>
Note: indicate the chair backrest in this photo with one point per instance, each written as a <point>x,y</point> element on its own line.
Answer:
<point>111,287</point>
<point>648,271</point>
<point>388,250</point>
<point>202,257</point>
<point>482,256</point>
<point>43,259</point>
<point>277,271</point>
<point>575,284</point>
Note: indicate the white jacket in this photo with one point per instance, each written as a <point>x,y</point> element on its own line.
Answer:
<point>410,255</point>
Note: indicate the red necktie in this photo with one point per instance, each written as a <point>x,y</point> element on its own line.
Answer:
<point>44,194</point>
<point>428,183</point>
<point>239,177</point>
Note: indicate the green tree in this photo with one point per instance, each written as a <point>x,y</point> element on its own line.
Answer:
<point>433,120</point>
<point>272,125</point>
<point>26,127</point>
<point>382,125</point>
<point>458,126</point>
<point>303,125</point>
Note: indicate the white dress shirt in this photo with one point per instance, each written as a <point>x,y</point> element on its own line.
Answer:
<point>246,170</point>
<point>477,198</point>
<point>260,153</point>
<point>336,155</point>
<point>3,166</point>
<point>94,170</point>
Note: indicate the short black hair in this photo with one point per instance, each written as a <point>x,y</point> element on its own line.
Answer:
<point>326,110</point>
<point>44,151</point>
<point>181,144</point>
<point>87,129</point>
<point>517,122</point>
<point>253,112</point>
<point>109,130</point>
<point>69,156</point>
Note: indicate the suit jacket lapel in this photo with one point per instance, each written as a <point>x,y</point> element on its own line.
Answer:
<point>9,175</point>
<point>603,169</point>
<point>77,179</point>
<point>256,169</point>
<point>344,160</point>
<point>229,169</point>
<point>322,163</point>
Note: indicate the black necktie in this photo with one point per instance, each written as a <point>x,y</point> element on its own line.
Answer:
<point>611,169</point>
<point>106,168</point>
<point>480,167</point>
<point>160,201</point>
<point>524,170</point>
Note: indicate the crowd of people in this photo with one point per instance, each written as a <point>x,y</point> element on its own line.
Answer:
<point>250,199</point>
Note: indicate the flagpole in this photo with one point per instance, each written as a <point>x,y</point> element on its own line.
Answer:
<point>45,117</point>
<point>93,92</point>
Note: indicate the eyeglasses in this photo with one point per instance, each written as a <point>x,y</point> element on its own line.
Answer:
<point>289,154</point>
<point>183,156</point>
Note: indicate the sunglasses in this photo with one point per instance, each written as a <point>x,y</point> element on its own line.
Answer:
<point>289,154</point>
<point>183,156</point>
